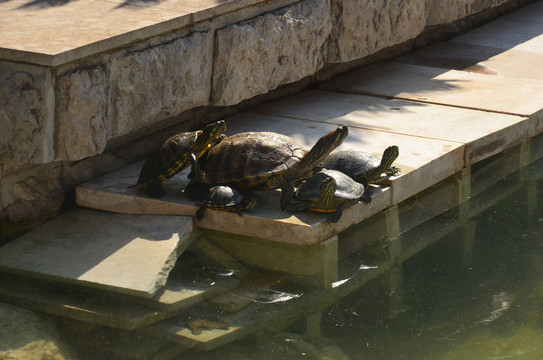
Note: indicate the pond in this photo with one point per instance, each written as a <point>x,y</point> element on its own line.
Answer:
<point>476,293</point>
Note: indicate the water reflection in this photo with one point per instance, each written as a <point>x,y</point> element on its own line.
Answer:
<point>488,305</point>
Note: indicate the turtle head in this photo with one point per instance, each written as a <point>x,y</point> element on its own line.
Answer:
<point>207,135</point>
<point>327,188</point>
<point>333,139</point>
<point>389,156</point>
<point>212,131</point>
<point>324,146</point>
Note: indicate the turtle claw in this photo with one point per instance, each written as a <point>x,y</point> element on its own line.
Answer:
<point>394,171</point>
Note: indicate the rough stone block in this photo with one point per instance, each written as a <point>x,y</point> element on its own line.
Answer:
<point>258,55</point>
<point>162,81</point>
<point>25,123</point>
<point>362,28</point>
<point>81,100</point>
<point>31,193</point>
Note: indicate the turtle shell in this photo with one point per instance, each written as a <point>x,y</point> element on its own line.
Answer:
<point>266,161</point>
<point>174,155</point>
<point>353,163</point>
<point>171,158</point>
<point>347,191</point>
<point>362,165</point>
<point>262,160</point>
<point>219,196</point>
<point>251,160</point>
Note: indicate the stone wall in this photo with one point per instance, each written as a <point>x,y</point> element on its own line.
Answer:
<point>66,124</point>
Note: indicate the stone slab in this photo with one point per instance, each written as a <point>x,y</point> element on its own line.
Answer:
<point>483,133</point>
<point>121,253</point>
<point>39,41</point>
<point>446,87</point>
<point>423,163</point>
<point>516,31</point>
<point>107,308</point>
<point>511,64</point>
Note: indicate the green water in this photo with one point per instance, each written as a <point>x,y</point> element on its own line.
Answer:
<point>489,307</point>
<point>463,297</point>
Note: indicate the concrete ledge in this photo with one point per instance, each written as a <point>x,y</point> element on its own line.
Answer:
<point>138,67</point>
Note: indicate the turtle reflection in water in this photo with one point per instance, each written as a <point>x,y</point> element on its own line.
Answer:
<point>329,191</point>
<point>219,197</point>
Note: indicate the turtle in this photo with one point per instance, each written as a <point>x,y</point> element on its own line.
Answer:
<point>362,165</point>
<point>174,156</point>
<point>219,197</point>
<point>266,161</point>
<point>329,191</point>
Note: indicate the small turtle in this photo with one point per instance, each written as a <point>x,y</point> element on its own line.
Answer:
<point>219,197</point>
<point>266,161</point>
<point>359,165</point>
<point>175,155</point>
<point>329,191</point>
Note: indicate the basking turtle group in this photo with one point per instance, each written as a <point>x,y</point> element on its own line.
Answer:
<point>224,169</point>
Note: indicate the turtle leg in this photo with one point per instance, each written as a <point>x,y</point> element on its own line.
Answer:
<point>196,174</point>
<point>334,218</point>
<point>200,212</point>
<point>287,193</point>
<point>366,196</point>
<point>295,206</point>
<point>237,210</point>
<point>155,189</point>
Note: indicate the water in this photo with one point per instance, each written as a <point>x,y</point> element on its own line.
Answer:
<point>464,297</point>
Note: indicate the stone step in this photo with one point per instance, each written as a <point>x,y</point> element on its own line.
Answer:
<point>519,30</point>
<point>446,87</point>
<point>183,289</point>
<point>128,254</point>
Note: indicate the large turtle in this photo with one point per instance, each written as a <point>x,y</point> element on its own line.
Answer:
<point>329,191</point>
<point>175,155</point>
<point>266,161</point>
<point>362,165</point>
<point>219,197</point>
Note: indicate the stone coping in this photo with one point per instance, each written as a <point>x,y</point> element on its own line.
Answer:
<point>55,34</point>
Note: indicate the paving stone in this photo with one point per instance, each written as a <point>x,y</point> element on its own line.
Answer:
<point>509,33</point>
<point>423,162</point>
<point>511,64</point>
<point>123,253</point>
<point>488,133</point>
<point>447,87</point>
<point>102,30</point>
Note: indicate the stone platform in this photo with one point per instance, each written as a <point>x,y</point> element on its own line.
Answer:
<point>464,114</point>
<point>445,112</point>
<point>99,83</point>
